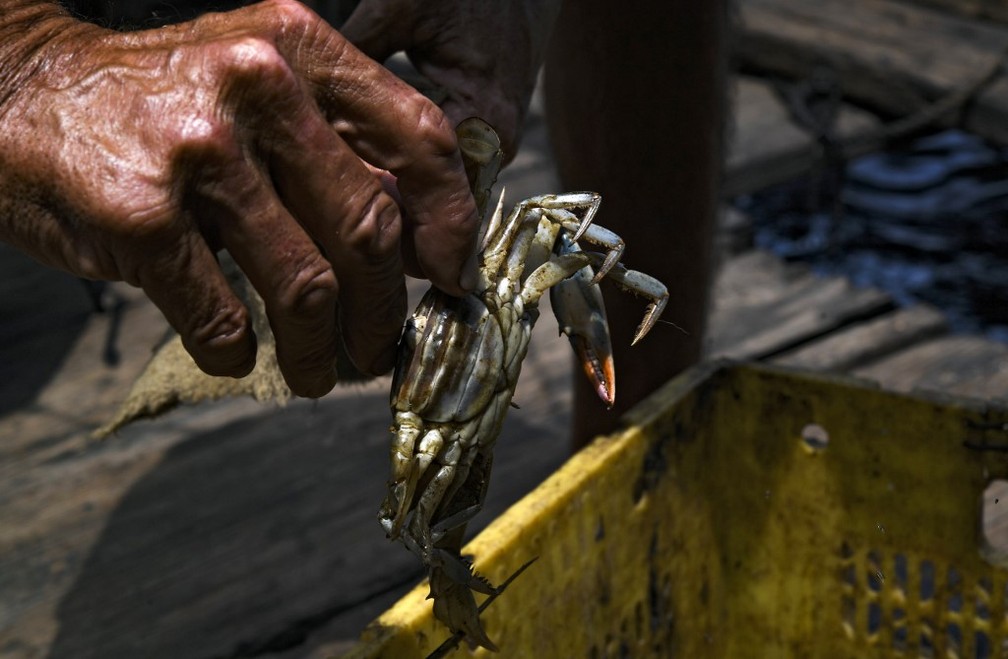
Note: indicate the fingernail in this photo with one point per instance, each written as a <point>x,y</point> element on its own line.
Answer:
<point>470,274</point>
<point>320,386</point>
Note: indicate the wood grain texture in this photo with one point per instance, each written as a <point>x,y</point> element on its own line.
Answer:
<point>867,341</point>
<point>993,9</point>
<point>892,56</point>
<point>763,308</point>
<point>960,365</point>
<point>765,147</point>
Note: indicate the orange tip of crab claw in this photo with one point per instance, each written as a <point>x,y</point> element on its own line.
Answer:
<point>598,368</point>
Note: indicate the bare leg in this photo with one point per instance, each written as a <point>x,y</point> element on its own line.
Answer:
<point>635,99</point>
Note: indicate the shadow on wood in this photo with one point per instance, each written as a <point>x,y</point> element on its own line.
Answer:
<point>247,540</point>
<point>42,311</point>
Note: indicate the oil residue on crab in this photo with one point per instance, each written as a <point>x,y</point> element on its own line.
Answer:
<point>460,359</point>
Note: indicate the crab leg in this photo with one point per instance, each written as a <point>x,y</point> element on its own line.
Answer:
<point>452,582</point>
<point>522,244</point>
<point>641,284</point>
<point>550,274</point>
<point>432,495</point>
<point>492,225</point>
<point>498,244</point>
<point>406,466</point>
<point>614,248</point>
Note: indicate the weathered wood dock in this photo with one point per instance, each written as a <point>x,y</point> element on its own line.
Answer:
<point>236,530</point>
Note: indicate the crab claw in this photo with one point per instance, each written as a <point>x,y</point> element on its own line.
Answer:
<point>580,311</point>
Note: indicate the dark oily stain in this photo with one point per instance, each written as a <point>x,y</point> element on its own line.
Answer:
<point>661,617</point>
<point>656,459</point>
<point>655,462</point>
<point>708,391</point>
<point>600,530</point>
<point>655,603</point>
<point>700,406</point>
<point>603,587</point>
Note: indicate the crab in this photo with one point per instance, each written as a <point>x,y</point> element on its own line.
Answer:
<point>459,361</point>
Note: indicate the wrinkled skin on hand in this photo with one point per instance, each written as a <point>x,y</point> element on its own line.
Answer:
<point>485,55</point>
<point>135,156</point>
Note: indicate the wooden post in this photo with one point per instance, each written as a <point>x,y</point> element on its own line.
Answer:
<point>635,100</point>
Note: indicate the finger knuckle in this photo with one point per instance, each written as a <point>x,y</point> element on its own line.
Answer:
<point>90,262</point>
<point>202,145</point>
<point>291,13</point>
<point>374,234</point>
<point>146,223</point>
<point>433,126</point>
<point>254,60</point>
<point>463,225</point>
<point>202,133</point>
<point>309,290</point>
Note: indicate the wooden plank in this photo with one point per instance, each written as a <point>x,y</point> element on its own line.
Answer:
<point>244,535</point>
<point>960,365</point>
<point>864,342</point>
<point>221,529</point>
<point>763,308</point>
<point>755,277</point>
<point>994,9</point>
<point>734,233</point>
<point>888,55</point>
<point>765,147</point>
<point>34,338</point>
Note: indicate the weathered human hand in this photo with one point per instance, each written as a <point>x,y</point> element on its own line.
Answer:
<point>485,55</point>
<point>135,156</point>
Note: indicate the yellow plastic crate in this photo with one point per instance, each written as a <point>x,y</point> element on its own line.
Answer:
<point>750,512</point>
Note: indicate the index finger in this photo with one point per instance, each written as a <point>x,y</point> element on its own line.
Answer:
<point>391,126</point>
<point>397,129</point>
